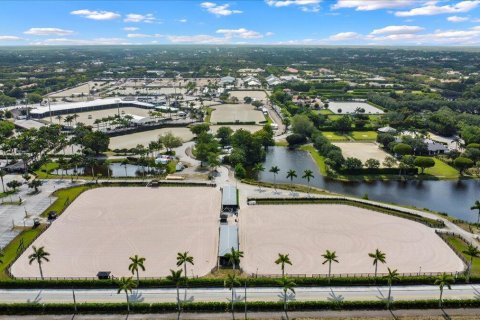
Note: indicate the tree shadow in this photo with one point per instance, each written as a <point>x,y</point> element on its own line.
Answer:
<point>381,296</point>
<point>392,314</point>
<point>136,296</point>
<point>37,299</point>
<point>445,315</point>
<point>476,293</point>
<point>290,296</point>
<point>332,297</point>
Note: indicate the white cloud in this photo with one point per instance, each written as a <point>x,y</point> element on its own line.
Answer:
<point>197,39</point>
<point>305,5</point>
<point>86,42</point>
<point>49,32</point>
<point>143,35</point>
<point>10,38</point>
<point>219,10</point>
<point>135,17</point>
<point>240,33</point>
<point>431,8</point>
<point>96,15</point>
<point>345,36</point>
<point>398,30</point>
<point>269,34</point>
<point>131,28</point>
<point>368,5</point>
<point>457,19</point>
<point>183,20</point>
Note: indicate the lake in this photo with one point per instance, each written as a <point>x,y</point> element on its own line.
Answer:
<point>454,197</point>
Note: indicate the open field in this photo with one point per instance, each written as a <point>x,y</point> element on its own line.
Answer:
<point>362,150</point>
<point>80,89</point>
<point>257,95</point>
<point>99,114</point>
<point>442,170</point>
<point>251,128</point>
<point>104,227</point>
<point>334,136</point>
<point>132,140</point>
<point>350,107</point>
<point>306,231</point>
<point>364,135</point>
<point>236,112</point>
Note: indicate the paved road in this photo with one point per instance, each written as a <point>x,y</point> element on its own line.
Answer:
<point>253,294</point>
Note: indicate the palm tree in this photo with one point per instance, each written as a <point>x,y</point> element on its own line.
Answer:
<point>476,206</point>
<point>233,257</point>
<point>3,173</point>
<point>126,285</point>
<point>74,117</point>
<point>330,256</point>
<point>442,281</point>
<point>231,282</point>
<point>282,260</point>
<point>257,168</point>
<point>184,258</point>
<point>275,170</point>
<point>59,118</point>
<point>290,175</point>
<point>377,256</point>
<point>308,174</point>
<point>287,285</point>
<point>176,278</point>
<point>391,276</point>
<point>136,264</point>
<point>124,163</point>
<point>39,255</point>
<point>473,252</point>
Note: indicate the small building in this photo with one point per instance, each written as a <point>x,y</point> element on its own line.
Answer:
<point>229,199</point>
<point>435,147</point>
<point>227,80</point>
<point>387,129</point>
<point>228,240</point>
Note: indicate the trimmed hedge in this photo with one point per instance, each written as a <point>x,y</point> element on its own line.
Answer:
<point>219,282</point>
<point>361,171</point>
<point>253,306</point>
<point>237,123</point>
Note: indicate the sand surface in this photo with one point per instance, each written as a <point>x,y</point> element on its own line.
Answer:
<point>132,140</point>
<point>257,95</point>
<point>306,231</point>
<point>105,226</point>
<point>362,151</point>
<point>236,112</point>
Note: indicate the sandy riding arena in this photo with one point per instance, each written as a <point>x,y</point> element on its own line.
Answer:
<point>104,227</point>
<point>236,112</point>
<point>306,231</point>
<point>362,150</point>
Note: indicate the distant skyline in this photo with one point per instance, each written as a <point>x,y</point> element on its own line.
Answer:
<point>279,22</point>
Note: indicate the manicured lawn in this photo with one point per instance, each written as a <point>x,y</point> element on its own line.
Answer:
<point>325,111</point>
<point>334,136</point>
<point>442,170</point>
<point>45,169</point>
<point>364,135</point>
<point>319,160</point>
<point>461,246</point>
<point>209,114</point>
<point>281,143</point>
<point>334,116</point>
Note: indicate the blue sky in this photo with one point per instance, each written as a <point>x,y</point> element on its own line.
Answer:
<point>312,22</point>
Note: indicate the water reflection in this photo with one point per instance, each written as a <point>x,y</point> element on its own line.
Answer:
<point>454,197</point>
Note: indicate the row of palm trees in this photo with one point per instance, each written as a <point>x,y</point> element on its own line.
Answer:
<point>291,174</point>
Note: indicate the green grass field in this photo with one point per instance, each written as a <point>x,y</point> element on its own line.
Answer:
<point>461,246</point>
<point>319,160</point>
<point>442,170</point>
<point>364,135</point>
<point>334,136</point>
<point>325,112</point>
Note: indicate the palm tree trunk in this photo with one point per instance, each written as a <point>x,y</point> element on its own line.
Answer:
<point>178,299</point>
<point>128,301</point>
<point>285,303</point>
<point>376,266</point>
<point>3,186</point>
<point>389,295</point>
<point>233,310</point>
<point>329,270</point>
<point>440,300</point>
<point>138,279</point>
<point>185,270</point>
<point>41,271</point>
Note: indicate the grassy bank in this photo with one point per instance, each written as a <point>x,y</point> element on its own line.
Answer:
<point>319,160</point>
<point>460,246</point>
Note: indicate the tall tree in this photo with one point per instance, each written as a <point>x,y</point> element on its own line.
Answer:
<point>473,252</point>
<point>291,174</point>
<point>329,256</point>
<point>233,257</point>
<point>287,285</point>
<point>308,174</point>
<point>391,277</point>
<point>257,168</point>
<point>442,281</point>
<point>39,255</point>
<point>183,258</point>
<point>136,264</point>
<point>377,256</point>
<point>282,260</point>
<point>126,285</point>
<point>231,282</point>
<point>275,170</point>
<point>176,278</point>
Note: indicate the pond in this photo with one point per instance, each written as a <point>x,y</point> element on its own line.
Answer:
<point>117,170</point>
<point>454,197</point>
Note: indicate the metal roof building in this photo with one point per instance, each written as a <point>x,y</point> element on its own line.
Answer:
<point>229,198</point>
<point>228,239</point>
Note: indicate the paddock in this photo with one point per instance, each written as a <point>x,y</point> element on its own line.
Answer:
<point>145,137</point>
<point>342,107</point>
<point>362,151</point>
<point>103,227</point>
<point>256,95</point>
<point>236,112</point>
<point>306,231</point>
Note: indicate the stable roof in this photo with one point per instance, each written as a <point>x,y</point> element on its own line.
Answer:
<point>229,196</point>
<point>228,239</point>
